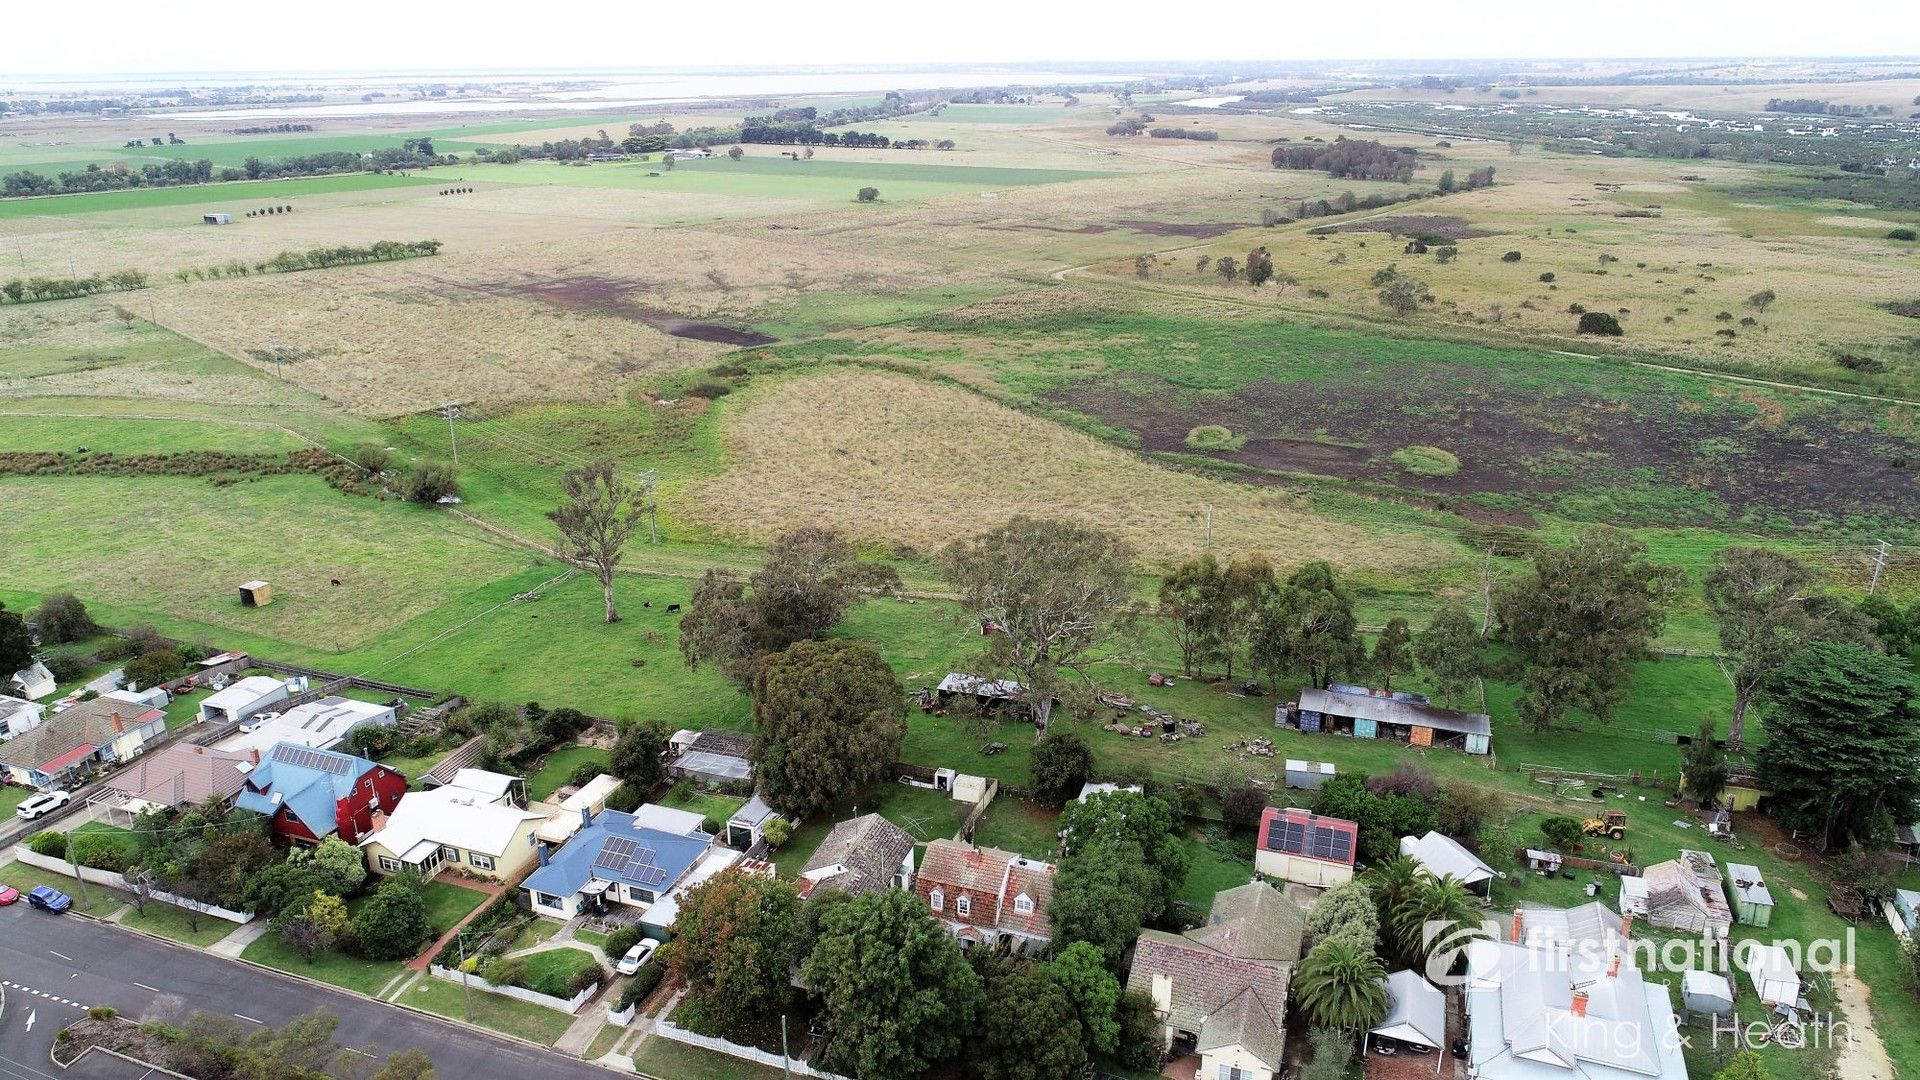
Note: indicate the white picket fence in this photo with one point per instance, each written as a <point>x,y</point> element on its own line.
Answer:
<point>570,1006</point>
<point>671,1030</point>
<point>113,879</point>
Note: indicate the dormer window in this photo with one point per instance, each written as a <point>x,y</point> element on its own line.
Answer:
<point>1023,904</point>
<point>937,901</point>
<point>963,906</point>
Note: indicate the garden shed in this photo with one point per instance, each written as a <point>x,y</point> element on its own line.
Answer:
<point>1771,971</point>
<point>1706,992</point>
<point>1752,902</point>
<point>256,594</point>
<point>1308,774</point>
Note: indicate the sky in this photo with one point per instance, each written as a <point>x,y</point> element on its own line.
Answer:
<point>106,37</point>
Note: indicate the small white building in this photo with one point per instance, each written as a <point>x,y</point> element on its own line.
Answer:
<point>242,698</point>
<point>1443,856</point>
<point>322,725</point>
<point>216,219</point>
<point>1770,971</point>
<point>153,697</point>
<point>1706,992</point>
<point>18,717</point>
<point>32,682</point>
<point>749,823</point>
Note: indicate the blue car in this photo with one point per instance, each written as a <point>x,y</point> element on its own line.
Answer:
<point>49,899</point>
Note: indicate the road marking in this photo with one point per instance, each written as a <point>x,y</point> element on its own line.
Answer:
<point>62,956</point>
<point>144,986</point>
<point>362,1053</point>
<point>250,1019</point>
<point>31,1016</point>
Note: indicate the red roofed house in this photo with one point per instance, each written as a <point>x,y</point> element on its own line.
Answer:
<point>71,744</point>
<point>987,896</point>
<point>313,794</point>
<point>1297,845</point>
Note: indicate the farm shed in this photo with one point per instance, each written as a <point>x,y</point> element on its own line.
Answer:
<point>1416,1014</point>
<point>1443,856</point>
<point>1546,862</point>
<point>1752,903</point>
<point>1771,971</point>
<point>1297,845</point>
<point>216,219</point>
<point>1308,774</point>
<point>989,695</point>
<point>244,697</point>
<point>1376,714</point>
<point>256,594</point>
<point>1706,992</point>
<point>1685,894</point>
<point>1743,791</point>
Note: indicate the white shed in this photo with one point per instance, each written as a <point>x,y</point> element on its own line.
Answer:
<point>1706,992</point>
<point>18,717</point>
<point>1773,976</point>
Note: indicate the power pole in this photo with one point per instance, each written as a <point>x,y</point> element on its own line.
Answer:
<point>1486,592</point>
<point>451,410</point>
<point>1882,550</point>
<point>1209,524</point>
<point>786,1061</point>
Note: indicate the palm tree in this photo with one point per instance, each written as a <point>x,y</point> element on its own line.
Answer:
<point>1437,914</point>
<point>1392,882</point>
<point>1340,986</point>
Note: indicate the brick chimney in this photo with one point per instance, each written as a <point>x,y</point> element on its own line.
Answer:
<point>119,725</point>
<point>1626,926</point>
<point>253,754</point>
<point>378,821</point>
<point>1519,926</point>
<point>1613,966</point>
<point>1579,1003</point>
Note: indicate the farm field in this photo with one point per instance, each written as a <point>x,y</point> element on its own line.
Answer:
<point>238,192</point>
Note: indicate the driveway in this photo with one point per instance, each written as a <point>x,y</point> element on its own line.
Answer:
<point>53,967</point>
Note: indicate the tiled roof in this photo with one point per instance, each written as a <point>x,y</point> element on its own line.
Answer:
<point>870,848</point>
<point>181,775</point>
<point>1253,922</point>
<point>992,880</point>
<point>89,723</point>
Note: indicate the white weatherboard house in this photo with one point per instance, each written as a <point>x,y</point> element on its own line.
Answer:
<point>471,823</point>
<point>18,717</point>
<point>1585,1015</point>
<point>32,682</point>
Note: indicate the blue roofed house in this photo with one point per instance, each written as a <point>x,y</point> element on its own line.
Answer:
<point>618,861</point>
<point>312,794</point>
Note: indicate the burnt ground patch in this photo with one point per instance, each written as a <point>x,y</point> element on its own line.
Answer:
<point>1638,452</point>
<point>1447,225</point>
<point>614,296</point>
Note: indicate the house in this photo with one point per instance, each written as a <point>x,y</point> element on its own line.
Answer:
<point>1743,791</point>
<point>613,862</point>
<point>321,725</point>
<point>242,698</point>
<point>1220,990</point>
<point>472,823</point>
<point>749,823</point>
<point>577,809</point>
<point>153,697</point>
<point>1771,971</point>
<point>18,717</point>
<point>1308,774</point>
<point>1379,714</point>
<point>311,794</point>
<point>1416,1012</point>
<point>1906,904</point>
<point>1588,1016</point>
<point>687,155</point>
<point>180,776</point>
<point>862,855</point>
<point>712,758</point>
<point>1297,845</point>
<point>1443,856</point>
<point>1680,894</point>
<point>32,682</point>
<point>987,896</point>
<point>1591,928</point>
<point>1752,903</point>
<point>71,744</point>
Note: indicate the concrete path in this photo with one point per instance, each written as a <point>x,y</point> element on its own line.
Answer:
<point>243,935</point>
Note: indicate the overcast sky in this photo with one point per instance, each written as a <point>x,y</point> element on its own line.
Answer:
<point>128,36</point>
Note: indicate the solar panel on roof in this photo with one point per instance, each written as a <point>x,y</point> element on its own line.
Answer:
<point>305,757</point>
<point>1330,843</point>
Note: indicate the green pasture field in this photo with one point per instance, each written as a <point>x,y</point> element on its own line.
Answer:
<point>145,437</point>
<point>238,193</point>
<point>999,114</point>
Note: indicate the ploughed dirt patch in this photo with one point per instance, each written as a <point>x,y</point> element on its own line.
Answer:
<point>613,296</point>
<point>1643,452</point>
<point>1453,228</point>
<point>1204,230</point>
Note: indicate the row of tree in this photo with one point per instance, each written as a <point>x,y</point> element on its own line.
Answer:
<point>414,153</point>
<point>36,289</point>
<point>1359,159</point>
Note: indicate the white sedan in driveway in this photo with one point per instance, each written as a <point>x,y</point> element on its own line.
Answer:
<point>42,804</point>
<point>636,957</point>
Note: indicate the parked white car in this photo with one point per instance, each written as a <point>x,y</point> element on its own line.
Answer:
<point>636,957</point>
<point>42,804</point>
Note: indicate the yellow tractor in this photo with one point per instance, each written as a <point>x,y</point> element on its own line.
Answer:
<point>1611,824</point>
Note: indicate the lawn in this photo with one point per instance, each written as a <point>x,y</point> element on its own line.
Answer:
<point>184,709</point>
<point>559,765</point>
<point>234,195</point>
<point>1019,826</point>
<point>550,970</point>
<point>171,922</point>
<point>330,966</point>
<point>11,796</point>
<point>413,767</point>
<point>521,1019</point>
<point>923,813</point>
<point>687,796</point>
<point>1212,870</point>
<point>448,903</point>
<point>124,839</point>
<point>669,1060</point>
<point>98,901</point>
<point>603,1041</point>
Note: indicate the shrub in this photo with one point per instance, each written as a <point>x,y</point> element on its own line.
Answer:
<point>428,483</point>
<point>584,773</point>
<point>1214,437</point>
<point>1866,365</point>
<point>99,852</point>
<point>1511,256</point>
<point>1242,808</point>
<point>153,668</point>
<point>625,798</point>
<point>711,825</point>
<point>392,924</point>
<point>505,971</point>
<point>51,844</point>
<point>62,618</point>
<point>1561,831</point>
<point>621,940</point>
<point>1600,322</point>
<point>777,832</point>
<point>67,665</point>
<point>710,390</point>
<point>868,194</point>
<point>1548,276</point>
<point>1426,461</point>
<point>1902,234</point>
<point>643,983</point>
<point>371,458</point>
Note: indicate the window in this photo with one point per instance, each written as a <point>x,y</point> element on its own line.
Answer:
<point>639,895</point>
<point>1023,904</point>
<point>937,900</point>
<point>548,900</point>
<point>963,906</point>
<point>389,864</point>
<point>479,861</point>
<point>451,854</point>
<point>1229,1072</point>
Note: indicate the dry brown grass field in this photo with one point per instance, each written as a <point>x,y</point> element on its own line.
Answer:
<point>897,459</point>
<point>1895,93</point>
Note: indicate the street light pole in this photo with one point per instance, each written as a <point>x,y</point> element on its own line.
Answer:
<point>466,991</point>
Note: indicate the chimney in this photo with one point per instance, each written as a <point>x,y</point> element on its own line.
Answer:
<point>379,821</point>
<point>1519,926</point>
<point>198,749</point>
<point>119,725</point>
<point>253,754</point>
<point>1579,1003</point>
<point>586,816</point>
<point>1626,926</point>
<point>1613,966</point>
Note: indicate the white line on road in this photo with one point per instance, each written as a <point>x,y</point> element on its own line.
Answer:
<point>62,956</point>
<point>250,1019</point>
<point>144,986</point>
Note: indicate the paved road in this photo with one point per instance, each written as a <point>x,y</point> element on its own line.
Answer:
<point>53,967</point>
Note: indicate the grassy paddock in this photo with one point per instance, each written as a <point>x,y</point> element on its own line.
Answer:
<point>238,194</point>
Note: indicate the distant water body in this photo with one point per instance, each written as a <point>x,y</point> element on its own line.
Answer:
<point>553,91</point>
